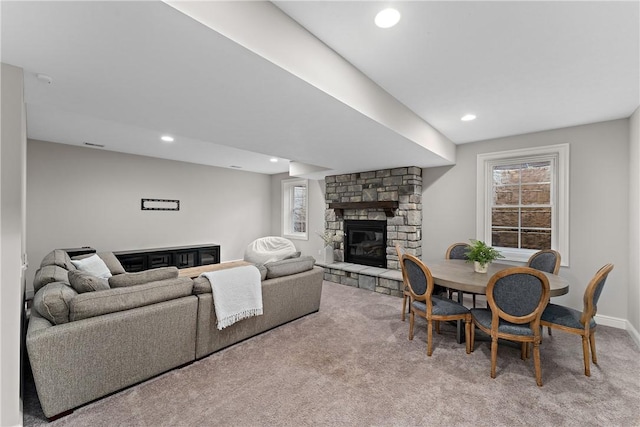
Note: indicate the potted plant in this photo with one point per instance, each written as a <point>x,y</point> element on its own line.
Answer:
<point>481,254</point>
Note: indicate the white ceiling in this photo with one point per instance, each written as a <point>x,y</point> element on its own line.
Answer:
<point>125,73</point>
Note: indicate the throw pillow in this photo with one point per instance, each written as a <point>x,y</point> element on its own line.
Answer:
<point>289,266</point>
<point>109,258</point>
<point>93,265</point>
<point>48,274</point>
<point>52,302</point>
<point>142,277</point>
<point>58,257</point>
<point>83,282</point>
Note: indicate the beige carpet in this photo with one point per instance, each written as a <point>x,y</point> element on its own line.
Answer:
<point>351,364</point>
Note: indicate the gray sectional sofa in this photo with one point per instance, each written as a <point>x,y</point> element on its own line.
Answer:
<point>89,337</point>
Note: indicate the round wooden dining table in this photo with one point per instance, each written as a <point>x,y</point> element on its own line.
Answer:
<point>459,275</point>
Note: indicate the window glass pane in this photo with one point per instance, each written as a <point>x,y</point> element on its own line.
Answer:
<point>506,174</point>
<point>299,212</point>
<point>504,217</point>
<point>536,217</point>
<point>536,194</point>
<point>536,239</point>
<point>506,238</point>
<point>536,172</point>
<point>506,195</point>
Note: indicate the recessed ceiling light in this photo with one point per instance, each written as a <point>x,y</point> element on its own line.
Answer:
<point>468,117</point>
<point>387,18</point>
<point>273,160</point>
<point>166,138</point>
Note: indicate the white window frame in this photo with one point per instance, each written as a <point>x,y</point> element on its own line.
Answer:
<point>559,197</point>
<point>287,202</point>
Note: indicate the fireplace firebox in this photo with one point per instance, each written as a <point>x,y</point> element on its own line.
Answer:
<point>365,242</point>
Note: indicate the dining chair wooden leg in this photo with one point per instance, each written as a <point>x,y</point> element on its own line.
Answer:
<point>536,362</point>
<point>467,334</point>
<point>523,351</point>
<point>549,330</point>
<point>429,337</point>
<point>437,327</point>
<point>585,353</point>
<point>592,342</point>
<point>404,306</point>
<point>411,321</point>
<point>494,355</point>
<point>473,336</point>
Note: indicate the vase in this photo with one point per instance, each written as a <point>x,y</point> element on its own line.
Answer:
<point>480,268</point>
<point>328,254</point>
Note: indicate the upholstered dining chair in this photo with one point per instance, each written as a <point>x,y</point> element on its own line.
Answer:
<point>434,308</point>
<point>545,260</point>
<point>458,251</point>
<point>517,297</point>
<point>580,323</point>
<point>405,287</point>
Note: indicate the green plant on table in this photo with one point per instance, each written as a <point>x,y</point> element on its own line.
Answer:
<point>481,252</point>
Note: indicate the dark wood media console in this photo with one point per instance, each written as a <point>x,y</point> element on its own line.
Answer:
<point>178,256</point>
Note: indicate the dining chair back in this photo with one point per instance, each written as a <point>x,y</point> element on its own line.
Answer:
<point>458,251</point>
<point>545,260</point>
<point>517,297</point>
<point>580,323</point>
<point>434,308</point>
<point>405,288</point>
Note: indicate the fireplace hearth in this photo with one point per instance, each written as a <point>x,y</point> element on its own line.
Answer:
<point>365,242</point>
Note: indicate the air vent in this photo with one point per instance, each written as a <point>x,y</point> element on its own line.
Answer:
<point>91,144</point>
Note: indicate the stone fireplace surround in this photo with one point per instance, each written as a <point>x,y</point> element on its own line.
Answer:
<point>401,185</point>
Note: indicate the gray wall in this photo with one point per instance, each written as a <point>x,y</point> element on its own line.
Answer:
<point>634,223</point>
<point>80,196</point>
<point>599,208</point>
<point>12,225</point>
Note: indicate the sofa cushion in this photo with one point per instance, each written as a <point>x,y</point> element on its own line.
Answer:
<point>83,282</point>
<point>289,266</point>
<point>269,249</point>
<point>58,257</point>
<point>52,301</point>
<point>113,264</point>
<point>93,265</point>
<point>48,274</point>
<point>92,304</point>
<point>133,279</point>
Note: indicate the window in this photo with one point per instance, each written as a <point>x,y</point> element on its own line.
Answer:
<point>523,201</point>
<point>294,209</point>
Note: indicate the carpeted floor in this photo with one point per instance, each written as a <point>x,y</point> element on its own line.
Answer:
<point>351,364</point>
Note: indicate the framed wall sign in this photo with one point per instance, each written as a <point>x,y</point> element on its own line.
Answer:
<point>159,205</point>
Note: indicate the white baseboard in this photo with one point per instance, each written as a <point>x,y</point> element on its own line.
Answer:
<point>614,322</point>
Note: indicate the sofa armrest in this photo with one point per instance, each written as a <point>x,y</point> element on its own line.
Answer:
<point>92,304</point>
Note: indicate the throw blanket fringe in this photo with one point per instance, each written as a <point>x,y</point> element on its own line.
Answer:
<point>237,294</point>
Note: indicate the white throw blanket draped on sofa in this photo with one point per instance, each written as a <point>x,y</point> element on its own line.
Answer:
<point>237,294</point>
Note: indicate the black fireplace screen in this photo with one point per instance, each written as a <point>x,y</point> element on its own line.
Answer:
<point>366,242</point>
